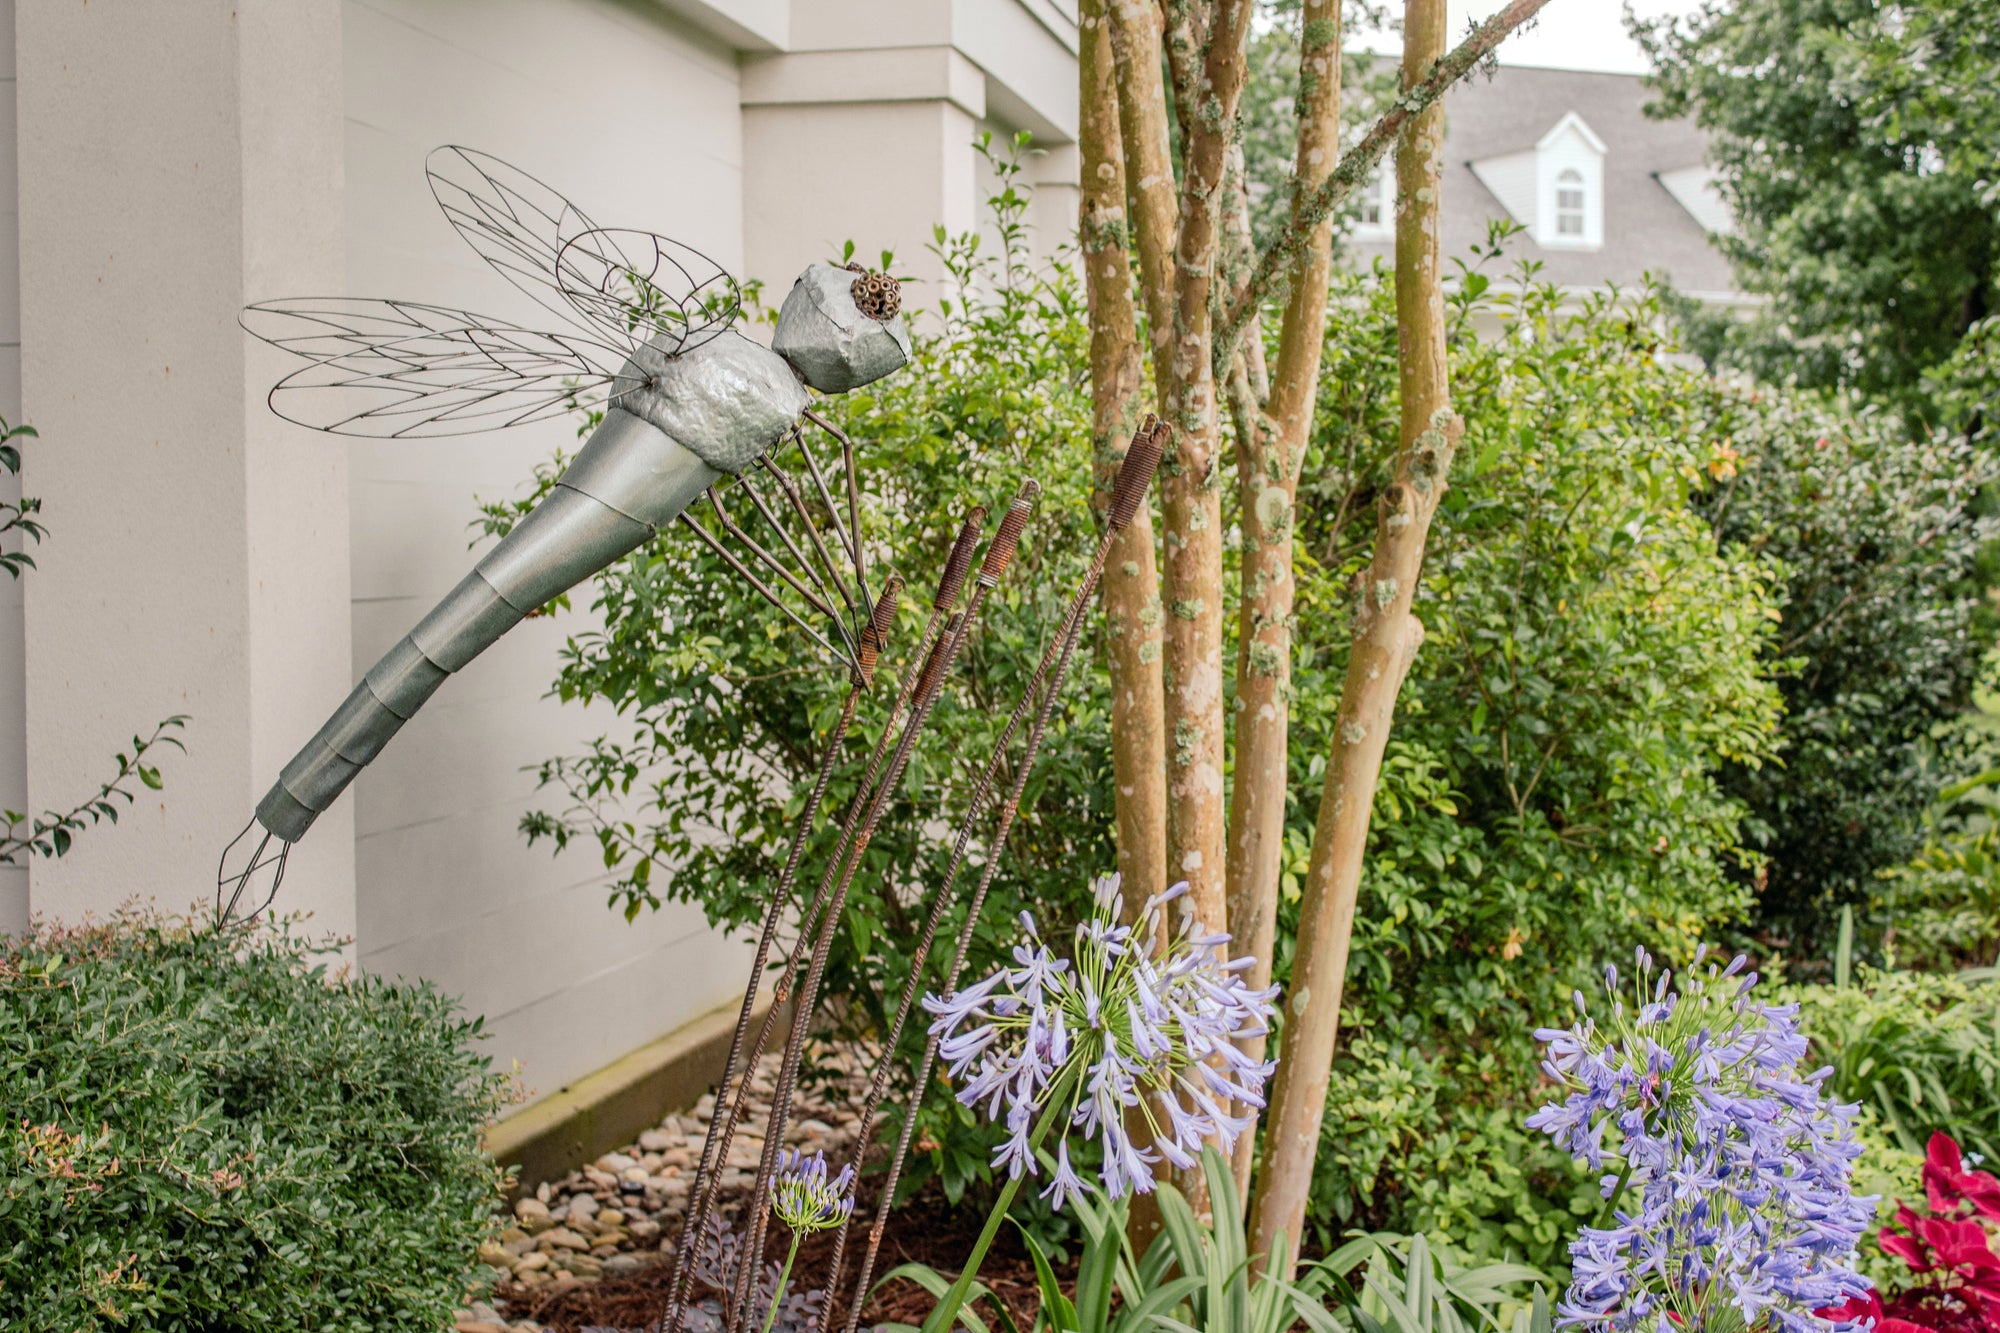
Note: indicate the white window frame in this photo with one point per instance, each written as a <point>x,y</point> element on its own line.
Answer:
<point>1569,159</point>
<point>1572,217</point>
<point>1380,191</point>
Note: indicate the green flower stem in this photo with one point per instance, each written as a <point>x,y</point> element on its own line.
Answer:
<point>783,1274</point>
<point>1610,1202</point>
<point>954,1299</point>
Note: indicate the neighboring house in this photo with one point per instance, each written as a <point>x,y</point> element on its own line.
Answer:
<point>170,162</point>
<point>1605,193</point>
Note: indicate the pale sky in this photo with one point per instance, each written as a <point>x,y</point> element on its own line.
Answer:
<point>1568,34</point>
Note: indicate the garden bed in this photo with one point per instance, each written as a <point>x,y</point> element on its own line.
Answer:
<point>595,1249</point>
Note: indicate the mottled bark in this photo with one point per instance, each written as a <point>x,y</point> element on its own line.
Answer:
<point>1131,587</point>
<point>1191,486</point>
<point>1386,639</point>
<point>1270,451</point>
<point>1149,168</point>
<point>1131,578</point>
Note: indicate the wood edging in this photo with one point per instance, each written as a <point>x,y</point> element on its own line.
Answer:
<point>583,1120</point>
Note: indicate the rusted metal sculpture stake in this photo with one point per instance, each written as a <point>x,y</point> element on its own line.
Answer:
<point>1134,477</point>
<point>999,553</point>
<point>729,1110</point>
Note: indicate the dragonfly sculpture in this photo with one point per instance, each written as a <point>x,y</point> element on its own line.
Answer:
<point>646,335</point>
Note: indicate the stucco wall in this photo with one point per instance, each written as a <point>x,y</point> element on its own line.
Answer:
<point>13,664</point>
<point>208,558</point>
<point>634,117</point>
<point>197,561</point>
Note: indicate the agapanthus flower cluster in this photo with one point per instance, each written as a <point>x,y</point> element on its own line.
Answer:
<point>1731,1208</point>
<point>805,1198</point>
<point>1113,1027</point>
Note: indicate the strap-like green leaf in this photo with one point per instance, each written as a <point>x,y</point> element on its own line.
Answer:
<point>1056,1307</point>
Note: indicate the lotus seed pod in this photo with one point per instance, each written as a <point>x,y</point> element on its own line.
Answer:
<point>827,338</point>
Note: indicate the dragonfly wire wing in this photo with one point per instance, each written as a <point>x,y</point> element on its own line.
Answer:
<point>652,287</point>
<point>402,370</point>
<point>617,284</point>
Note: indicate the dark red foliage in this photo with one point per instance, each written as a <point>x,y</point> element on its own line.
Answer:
<point>1948,1247</point>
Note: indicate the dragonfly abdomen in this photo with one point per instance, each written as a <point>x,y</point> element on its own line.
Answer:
<point>629,479</point>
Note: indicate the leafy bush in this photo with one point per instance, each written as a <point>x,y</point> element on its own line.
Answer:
<point>212,1131</point>
<point>1874,530</point>
<point>1940,910</point>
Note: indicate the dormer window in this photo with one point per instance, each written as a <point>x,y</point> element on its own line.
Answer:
<point>1556,188</point>
<point>1569,186</point>
<point>1569,204</point>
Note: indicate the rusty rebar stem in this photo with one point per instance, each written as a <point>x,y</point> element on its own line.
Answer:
<point>779,895</point>
<point>728,1110</point>
<point>928,689</point>
<point>1062,649</point>
<point>1135,473</point>
<point>959,563</point>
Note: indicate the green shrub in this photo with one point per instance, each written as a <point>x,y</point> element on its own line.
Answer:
<point>227,1131</point>
<point>1940,910</point>
<point>1875,533</point>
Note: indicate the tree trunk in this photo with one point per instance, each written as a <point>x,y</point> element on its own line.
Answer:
<point>1269,456</point>
<point>1131,585</point>
<point>1149,166</point>
<point>1191,486</point>
<point>1386,638</point>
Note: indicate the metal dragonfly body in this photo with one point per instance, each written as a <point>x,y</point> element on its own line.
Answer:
<point>687,402</point>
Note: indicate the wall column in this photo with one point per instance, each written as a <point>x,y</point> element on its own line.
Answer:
<point>872,146</point>
<point>176,162</point>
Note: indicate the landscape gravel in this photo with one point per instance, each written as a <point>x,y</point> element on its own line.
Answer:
<point>625,1211</point>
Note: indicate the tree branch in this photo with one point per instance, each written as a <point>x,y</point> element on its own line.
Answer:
<point>1355,168</point>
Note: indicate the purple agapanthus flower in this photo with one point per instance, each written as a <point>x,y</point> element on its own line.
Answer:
<point>1114,1027</point>
<point>1731,1206</point>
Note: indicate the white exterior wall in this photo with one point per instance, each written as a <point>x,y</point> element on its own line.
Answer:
<point>633,116</point>
<point>173,160</point>
<point>13,660</point>
<point>208,558</point>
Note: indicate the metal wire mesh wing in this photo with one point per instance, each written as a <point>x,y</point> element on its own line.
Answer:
<point>626,286</point>
<point>403,370</point>
<point>646,285</point>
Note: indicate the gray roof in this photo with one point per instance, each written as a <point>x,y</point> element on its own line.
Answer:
<point>1645,228</point>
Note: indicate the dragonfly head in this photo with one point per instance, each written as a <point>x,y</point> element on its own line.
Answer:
<point>840,330</point>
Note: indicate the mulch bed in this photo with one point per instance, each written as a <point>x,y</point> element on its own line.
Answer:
<point>925,1230</point>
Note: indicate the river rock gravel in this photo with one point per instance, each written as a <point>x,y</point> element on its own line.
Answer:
<point>625,1210</point>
